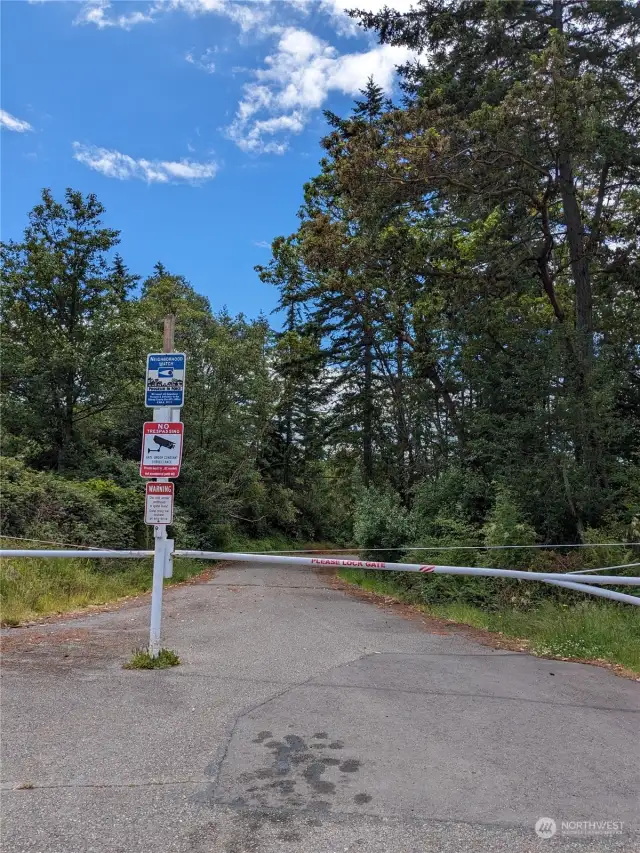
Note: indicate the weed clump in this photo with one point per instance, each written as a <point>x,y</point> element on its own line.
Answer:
<point>143,659</point>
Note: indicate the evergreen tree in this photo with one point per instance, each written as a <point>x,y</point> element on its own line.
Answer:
<point>69,343</point>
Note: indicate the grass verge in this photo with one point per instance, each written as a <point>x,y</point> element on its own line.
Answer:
<point>33,588</point>
<point>142,659</point>
<point>589,630</point>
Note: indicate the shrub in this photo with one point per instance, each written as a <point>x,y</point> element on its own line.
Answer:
<point>505,526</point>
<point>45,506</point>
<point>381,521</point>
<point>457,493</point>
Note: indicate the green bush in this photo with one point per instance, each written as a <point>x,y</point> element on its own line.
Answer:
<point>505,526</point>
<point>457,493</point>
<point>381,521</point>
<point>42,505</point>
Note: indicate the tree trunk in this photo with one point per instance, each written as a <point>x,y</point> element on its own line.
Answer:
<point>576,238</point>
<point>67,424</point>
<point>401,419</point>
<point>367,408</point>
<point>288,445</point>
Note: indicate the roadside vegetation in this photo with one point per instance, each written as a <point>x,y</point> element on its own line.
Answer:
<point>142,659</point>
<point>31,589</point>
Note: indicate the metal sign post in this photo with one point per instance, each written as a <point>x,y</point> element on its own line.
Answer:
<point>160,458</point>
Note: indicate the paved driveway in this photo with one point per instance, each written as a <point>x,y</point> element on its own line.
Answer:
<point>305,719</point>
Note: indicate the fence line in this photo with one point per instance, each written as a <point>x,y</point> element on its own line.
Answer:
<point>603,568</point>
<point>397,548</point>
<point>51,542</point>
<point>66,552</point>
<point>444,548</point>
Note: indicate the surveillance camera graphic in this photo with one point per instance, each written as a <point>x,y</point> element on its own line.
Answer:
<point>161,442</point>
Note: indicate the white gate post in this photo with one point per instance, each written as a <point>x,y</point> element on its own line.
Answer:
<point>168,563</point>
<point>159,560</point>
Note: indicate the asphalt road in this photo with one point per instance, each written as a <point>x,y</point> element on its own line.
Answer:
<point>305,719</point>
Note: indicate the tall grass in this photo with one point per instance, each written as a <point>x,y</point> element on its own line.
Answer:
<point>33,588</point>
<point>586,630</point>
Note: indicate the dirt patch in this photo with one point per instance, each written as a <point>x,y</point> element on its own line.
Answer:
<point>444,627</point>
<point>65,648</point>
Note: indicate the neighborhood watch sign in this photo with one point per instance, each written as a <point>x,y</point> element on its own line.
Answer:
<point>165,380</point>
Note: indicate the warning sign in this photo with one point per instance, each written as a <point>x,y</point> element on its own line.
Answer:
<point>158,505</point>
<point>161,449</point>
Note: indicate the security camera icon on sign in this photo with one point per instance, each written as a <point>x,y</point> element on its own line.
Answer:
<point>161,442</point>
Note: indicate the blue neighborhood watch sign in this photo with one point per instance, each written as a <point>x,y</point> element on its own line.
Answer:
<point>165,379</point>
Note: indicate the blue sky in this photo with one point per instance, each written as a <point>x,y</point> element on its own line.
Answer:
<point>196,122</point>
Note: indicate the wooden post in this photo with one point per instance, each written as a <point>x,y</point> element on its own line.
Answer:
<point>169,332</point>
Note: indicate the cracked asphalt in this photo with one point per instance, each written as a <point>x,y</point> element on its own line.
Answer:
<point>306,720</point>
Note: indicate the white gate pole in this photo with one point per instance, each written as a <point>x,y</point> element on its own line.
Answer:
<point>159,559</point>
<point>611,594</point>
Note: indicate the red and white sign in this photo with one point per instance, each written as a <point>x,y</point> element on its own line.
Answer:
<point>158,504</point>
<point>161,449</point>
<point>351,564</point>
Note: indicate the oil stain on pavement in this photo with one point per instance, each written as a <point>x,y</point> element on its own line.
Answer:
<point>300,772</point>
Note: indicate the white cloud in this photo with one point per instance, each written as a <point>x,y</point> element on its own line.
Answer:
<point>114,164</point>
<point>13,123</point>
<point>96,12</point>
<point>262,244</point>
<point>299,73</point>
<point>204,62</point>
<point>253,15</point>
<point>297,79</point>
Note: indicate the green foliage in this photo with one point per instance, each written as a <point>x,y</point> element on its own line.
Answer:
<point>143,659</point>
<point>504,526</point>
<point>43,505</point>
<point>381,521</point>
<point>455,494</point>
<point>33,588</point>
<point>68,329</point>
